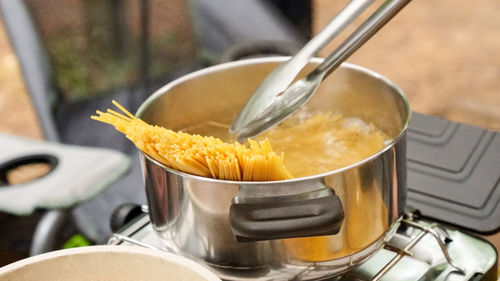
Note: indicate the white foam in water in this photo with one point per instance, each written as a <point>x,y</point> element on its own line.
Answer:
<point>356,122</point>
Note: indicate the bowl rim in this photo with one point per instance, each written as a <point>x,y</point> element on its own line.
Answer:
<point>135,250</point>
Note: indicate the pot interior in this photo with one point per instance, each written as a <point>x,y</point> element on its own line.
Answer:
<point>206,102</point>
<point>218,93</point>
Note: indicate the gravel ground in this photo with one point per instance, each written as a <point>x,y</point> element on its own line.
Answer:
<point>443,54</point>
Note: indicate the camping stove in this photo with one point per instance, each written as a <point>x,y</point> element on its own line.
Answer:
<point>420,249</point>
<point>453,179</point>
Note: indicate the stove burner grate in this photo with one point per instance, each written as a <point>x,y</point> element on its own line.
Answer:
<point>419,249</point>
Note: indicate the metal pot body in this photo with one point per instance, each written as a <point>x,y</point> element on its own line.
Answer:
<point>211,220</point>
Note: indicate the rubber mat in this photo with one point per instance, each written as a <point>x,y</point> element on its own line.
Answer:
<point>454,172</point>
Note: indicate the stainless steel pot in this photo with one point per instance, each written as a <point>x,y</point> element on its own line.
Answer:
<point>299,229</point>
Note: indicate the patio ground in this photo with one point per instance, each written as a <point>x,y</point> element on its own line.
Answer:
<point>443,54</point>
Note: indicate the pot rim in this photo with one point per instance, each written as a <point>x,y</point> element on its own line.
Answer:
<point>278,59</point>
<point>179,260</point>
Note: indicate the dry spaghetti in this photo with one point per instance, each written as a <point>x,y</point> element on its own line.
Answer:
<point>199,155</point>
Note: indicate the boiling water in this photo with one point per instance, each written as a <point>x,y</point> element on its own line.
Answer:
<point>324,142</point>
<point>313,143</point>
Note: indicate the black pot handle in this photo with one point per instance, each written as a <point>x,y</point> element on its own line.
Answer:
<point>282,217</point>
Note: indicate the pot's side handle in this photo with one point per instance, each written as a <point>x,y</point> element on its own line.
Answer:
<point>286,217</point>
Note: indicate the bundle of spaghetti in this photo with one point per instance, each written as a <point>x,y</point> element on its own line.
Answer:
<point>199,155</point>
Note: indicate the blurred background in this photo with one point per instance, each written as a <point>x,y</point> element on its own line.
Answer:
<point>443,54</point>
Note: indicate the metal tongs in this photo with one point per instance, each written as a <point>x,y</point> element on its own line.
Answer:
<point>275,99</point>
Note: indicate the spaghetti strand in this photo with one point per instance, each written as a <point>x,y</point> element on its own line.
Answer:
<point>198,155</point>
